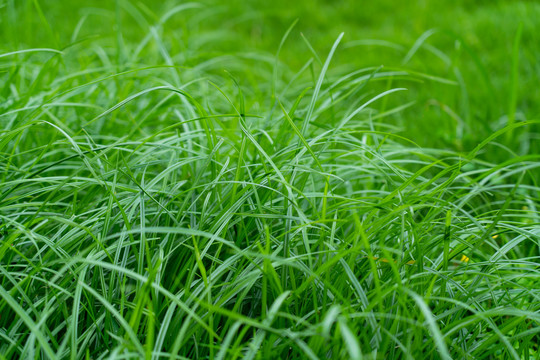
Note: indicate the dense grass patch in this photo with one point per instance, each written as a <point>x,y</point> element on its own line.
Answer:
<point>209,180</point>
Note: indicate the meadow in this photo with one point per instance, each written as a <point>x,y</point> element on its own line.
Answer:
<point>269,180</point>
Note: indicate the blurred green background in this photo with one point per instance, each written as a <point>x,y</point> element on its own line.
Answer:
<point>468,43</point>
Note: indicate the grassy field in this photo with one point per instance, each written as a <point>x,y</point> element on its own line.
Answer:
<point>269,180</point>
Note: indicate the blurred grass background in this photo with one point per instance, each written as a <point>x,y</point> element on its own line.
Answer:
<point>470,43</point>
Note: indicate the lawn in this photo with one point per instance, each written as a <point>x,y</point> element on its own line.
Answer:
<point>277,179</point>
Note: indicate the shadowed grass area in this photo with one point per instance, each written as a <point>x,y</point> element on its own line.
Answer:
<point>216,180</point>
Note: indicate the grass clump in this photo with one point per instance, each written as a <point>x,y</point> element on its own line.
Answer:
<point>155,206</point>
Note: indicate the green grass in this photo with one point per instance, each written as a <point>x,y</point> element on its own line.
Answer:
<point>215,180</point>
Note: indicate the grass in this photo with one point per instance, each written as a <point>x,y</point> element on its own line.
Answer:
<point>218,181</point>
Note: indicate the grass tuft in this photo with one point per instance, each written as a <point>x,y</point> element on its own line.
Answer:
<point>196,183</point>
